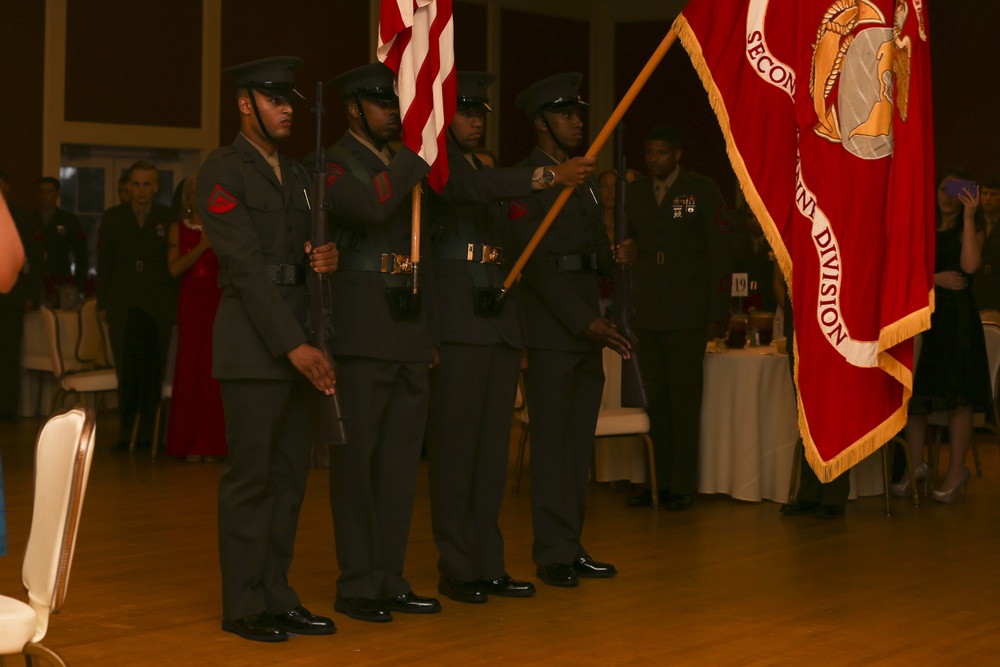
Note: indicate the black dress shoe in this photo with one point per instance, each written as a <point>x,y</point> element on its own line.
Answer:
<point>558,574</point>
<point>585,566</point>
<point>645,499</point>
<point>259,628</point>
<point>461,591</point>
<point>829,512</point>
<point>677,503</point>
<point>411,603</point>
<point>363,609</point>
<point>506,587</point>
<point>300,621</point>
<point>800,508</point>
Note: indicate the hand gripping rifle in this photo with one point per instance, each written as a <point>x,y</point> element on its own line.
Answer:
<point>331,422</point>
<point>633,389</point>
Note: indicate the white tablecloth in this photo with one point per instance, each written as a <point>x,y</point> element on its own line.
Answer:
<point>748,432</point>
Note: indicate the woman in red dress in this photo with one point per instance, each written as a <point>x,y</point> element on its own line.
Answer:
<point>195,429</point>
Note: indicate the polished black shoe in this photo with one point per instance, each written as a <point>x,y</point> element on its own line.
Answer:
<point>800,508</point>
<point>585,566</point>
<point>461,591</point>
<point>558,574</point>
<point>363,609</point>
<point>300,621</point>
<point>829,512</point>
<point>259,628</point>
<point>676,503</point>
<point>411,603</point>
<point>645,499</point>
<point>506,587</point>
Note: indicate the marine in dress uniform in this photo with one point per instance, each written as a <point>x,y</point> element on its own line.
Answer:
<point>681,295</point>
<point>565,334</point>
<point>383,345</point>
<point>256,213</point>
<point>135,293</point>
<point>473,387</point>
<point>63,237</point>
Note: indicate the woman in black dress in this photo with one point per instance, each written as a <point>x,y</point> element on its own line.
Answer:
<point>952,372</point>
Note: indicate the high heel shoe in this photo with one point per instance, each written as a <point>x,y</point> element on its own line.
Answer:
<point>901,489</point>
<point>951,494</point>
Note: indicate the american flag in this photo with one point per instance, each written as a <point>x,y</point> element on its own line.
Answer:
<point>416,41</point>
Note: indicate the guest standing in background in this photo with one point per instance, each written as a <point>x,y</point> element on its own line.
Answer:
<point>64,241</point>
<point>196,428</point>
<point>986,286</point>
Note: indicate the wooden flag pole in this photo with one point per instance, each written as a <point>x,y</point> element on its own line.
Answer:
<point>415,234</point>
<point>595,148</point>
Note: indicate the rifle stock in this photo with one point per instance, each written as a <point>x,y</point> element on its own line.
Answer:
<point>331,429</point>
<point>633,389</point>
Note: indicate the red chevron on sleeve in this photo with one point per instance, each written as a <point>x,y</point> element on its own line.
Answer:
<point>383,187</point>
<point>333,172</point>
<point>221,201</point>
<point>516,210</point>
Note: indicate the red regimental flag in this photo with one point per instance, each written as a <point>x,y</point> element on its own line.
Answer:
<point>416,41</point>
<point>825,105</point>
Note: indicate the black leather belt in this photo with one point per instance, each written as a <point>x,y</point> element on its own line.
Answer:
<point>470,252</point>
<point>287,274</point>
<point>583,262</point>
<point>390,263</point>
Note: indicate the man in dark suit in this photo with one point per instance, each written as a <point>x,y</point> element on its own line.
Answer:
<point>986,286</point>
<point>136,296</point>
<point>565,334</point>
<point>383,346</point>
<point>64,240</point>
<point>681,294</point>
<point>24,295</point>
<point>256,211</point>
<point>473,388</point>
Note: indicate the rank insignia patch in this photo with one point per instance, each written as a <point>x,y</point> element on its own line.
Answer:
<point>221,201</point>
<point>333,172</point>
<point>516,210</point>
<point>383,187</point>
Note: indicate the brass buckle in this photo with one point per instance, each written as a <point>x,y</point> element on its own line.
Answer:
<point>491,255</point>
<point>660,257</point>
<point>400,264</point>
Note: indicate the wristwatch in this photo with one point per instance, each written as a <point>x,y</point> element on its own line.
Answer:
<point>548,177</point>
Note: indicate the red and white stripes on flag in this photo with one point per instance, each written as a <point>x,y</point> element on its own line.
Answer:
<point>416,41</point>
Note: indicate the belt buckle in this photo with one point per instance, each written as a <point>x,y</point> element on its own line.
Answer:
<point>394,264</point>
<point>491,255</point>
<point>660,257</point>
<point>287,272</point>
<point>138,266</point>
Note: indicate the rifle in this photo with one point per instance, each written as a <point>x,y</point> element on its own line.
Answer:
<point>331,421</point>
<point>633,389</point>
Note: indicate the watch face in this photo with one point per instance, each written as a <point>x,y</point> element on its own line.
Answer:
<point>548,177</point>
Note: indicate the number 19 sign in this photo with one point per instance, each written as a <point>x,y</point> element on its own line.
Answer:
<point>740,284</point>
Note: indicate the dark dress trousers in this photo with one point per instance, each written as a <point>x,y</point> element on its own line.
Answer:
<point>254,222</point>
<point>681,282</point>
<point>565,375</point>
<point>12,307</point>
<point>137,291</point>
<point>382,369</point>
<point>473,388</point>
<point>986,285</point>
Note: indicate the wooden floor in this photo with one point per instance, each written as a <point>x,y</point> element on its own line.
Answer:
<point>728,583</point>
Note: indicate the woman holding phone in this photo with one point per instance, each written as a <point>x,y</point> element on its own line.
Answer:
<point>952,371</point>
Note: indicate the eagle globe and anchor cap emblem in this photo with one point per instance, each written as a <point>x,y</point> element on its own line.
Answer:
<point>868,62</point>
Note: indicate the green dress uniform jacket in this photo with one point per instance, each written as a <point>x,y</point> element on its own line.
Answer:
<point>254,223</point>
<point>65,244</point>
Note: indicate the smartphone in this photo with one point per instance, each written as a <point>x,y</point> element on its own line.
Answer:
<point>953,187</point>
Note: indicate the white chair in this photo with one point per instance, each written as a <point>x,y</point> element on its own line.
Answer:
<point>63,454</point>
<point>612,420</point>
<point>81,382</point>
<point>166,389</point>
<point>991,423</point>
<point>90,344</point>
<point>990,315</point>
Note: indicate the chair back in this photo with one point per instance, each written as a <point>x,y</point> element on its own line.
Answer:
<point>990,315</point>
<point>51,326</point>
<point>63,454</point>
<point>612,397</point>
<point>992,334</point>
<point>109,357</point>
<point>90,345</point>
